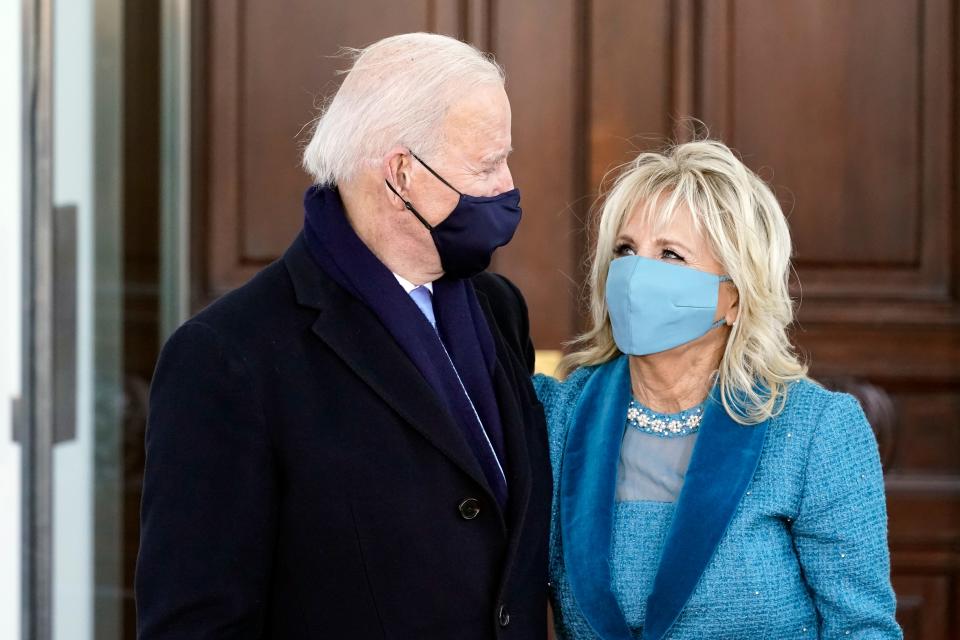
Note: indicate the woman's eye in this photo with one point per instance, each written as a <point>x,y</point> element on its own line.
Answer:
<point>624,250</point>
<point>671,255</point>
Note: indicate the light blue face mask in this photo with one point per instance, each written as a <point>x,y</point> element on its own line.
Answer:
<point>655,305</point>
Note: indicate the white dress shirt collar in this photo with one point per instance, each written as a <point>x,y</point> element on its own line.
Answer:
<point>409,286</point>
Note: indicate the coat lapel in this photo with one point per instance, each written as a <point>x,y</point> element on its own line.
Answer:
<point>588,477</point>
<point>722,465</point>
<point>351,330</point>
<point>511,418</point>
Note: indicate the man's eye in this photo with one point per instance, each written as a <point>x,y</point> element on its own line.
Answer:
<point>493,167</point>
<point>671,255</point>
<point>624,250</point>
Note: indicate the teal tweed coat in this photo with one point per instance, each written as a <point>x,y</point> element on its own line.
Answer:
<point>781,535</point>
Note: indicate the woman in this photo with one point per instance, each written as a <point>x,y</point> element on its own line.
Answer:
<point>704,486</point>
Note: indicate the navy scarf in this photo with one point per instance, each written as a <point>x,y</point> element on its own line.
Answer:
<point>338,250</point>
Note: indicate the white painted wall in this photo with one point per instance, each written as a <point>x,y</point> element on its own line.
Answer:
<point>10,272</point>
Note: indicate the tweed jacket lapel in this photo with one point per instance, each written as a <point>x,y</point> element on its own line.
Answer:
<point>722,465</point>
<point>587,491</point>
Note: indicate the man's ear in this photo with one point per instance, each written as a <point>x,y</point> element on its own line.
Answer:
<point>397,167</point>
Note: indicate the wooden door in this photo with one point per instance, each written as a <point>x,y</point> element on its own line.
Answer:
<point>848,107</point>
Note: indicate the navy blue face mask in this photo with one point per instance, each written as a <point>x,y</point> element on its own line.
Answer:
<point>477,226</point>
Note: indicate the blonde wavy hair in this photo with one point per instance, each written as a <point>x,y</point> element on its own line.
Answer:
<point>747,232</point>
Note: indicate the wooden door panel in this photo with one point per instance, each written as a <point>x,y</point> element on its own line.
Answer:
<point>923,606</point>
<point>925,554</point>
<point>853,135</point>
<point>630,101</point>
<point>544,90</point>
<point>812,72</point>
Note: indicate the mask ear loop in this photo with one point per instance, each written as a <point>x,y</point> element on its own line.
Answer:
<point>435,174</point>
<point>410,208</point>
<point>722,321</point>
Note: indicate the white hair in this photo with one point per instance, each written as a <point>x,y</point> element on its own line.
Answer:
<point>748,233</point>
<point>397,92</point>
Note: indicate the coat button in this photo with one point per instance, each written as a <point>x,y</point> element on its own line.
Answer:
<point>504,616</point>
<point>469,508</point>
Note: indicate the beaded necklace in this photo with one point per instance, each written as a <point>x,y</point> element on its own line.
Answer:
<point>664,425</point>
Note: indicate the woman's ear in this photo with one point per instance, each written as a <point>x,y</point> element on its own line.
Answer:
<point>733,310</point>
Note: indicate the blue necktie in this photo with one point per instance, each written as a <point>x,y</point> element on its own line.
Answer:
<point>424,300</point>
<point>422,296</point>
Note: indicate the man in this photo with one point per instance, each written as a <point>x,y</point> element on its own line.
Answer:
<point>348,446</point>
